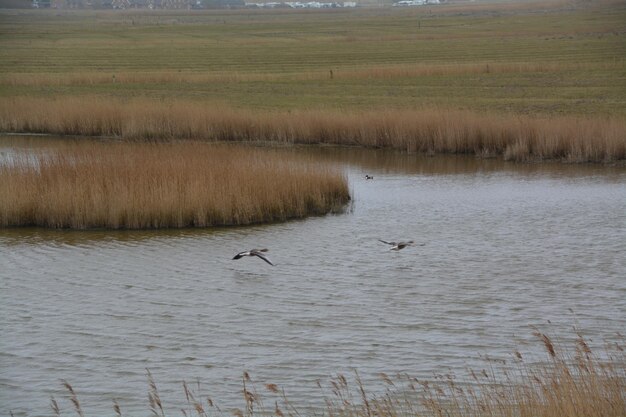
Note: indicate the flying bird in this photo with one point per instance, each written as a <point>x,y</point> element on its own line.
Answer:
<point>399,245</point>
<point>254,252</point>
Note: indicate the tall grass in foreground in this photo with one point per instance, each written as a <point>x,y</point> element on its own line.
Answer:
<point>571,383</point>
<point>135,185</point>
<point>515,137</point>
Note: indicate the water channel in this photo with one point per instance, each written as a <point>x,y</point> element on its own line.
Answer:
<point>506,246</point>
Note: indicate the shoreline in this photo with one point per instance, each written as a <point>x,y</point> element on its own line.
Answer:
<point>278,145</point>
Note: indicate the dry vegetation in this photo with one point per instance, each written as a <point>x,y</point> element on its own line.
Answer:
<point>519,138</point>
<point>133,186</point>
<point>488,78</point>
<point>572,383</point>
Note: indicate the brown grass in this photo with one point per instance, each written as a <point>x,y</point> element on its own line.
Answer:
<point>570,382</point>
<point>135,185</point>
<point>519,138</point>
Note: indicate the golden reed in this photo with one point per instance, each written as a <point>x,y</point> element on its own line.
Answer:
<point>570,383</point>
<point>515,137</point>
<point>143,185</point>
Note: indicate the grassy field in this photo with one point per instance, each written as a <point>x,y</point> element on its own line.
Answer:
<point>546,58</point>
<point>130,186</point>
<point>525,80</point>
<point>572,382</point>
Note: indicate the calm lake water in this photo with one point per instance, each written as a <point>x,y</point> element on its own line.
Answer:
<point>507,247</point>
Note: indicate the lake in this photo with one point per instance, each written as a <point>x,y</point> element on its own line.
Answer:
<point>505,247</point>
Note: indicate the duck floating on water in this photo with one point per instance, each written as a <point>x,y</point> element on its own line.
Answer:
<point>369,177</point>
<point>254,252</point>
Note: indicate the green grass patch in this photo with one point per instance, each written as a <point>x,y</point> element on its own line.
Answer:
<point>570,57</point>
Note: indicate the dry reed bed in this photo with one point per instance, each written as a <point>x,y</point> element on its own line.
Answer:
<point>518,138</point>
<point>572,382</point>
<point>138,185</point>
<point>347,73</point>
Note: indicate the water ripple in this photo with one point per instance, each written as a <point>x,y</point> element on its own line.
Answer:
<point>504,249</point>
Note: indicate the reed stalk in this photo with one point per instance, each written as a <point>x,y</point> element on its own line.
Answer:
<point>570,381</point>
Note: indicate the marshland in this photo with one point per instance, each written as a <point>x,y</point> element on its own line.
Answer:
<point>152,146</point>
<point>507,246</point>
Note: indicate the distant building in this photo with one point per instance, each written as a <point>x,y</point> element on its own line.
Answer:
<point>407,3</point>
<point>182,4</point>
<point>301,5</point>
